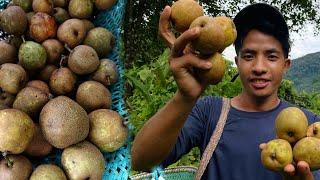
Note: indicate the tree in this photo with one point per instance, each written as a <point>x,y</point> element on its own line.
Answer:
<point>141,41</point>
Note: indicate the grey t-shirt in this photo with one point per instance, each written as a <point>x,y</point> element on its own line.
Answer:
<point>237,155</point>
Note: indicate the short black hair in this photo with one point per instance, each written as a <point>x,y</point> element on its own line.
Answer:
<point>264,18</point>
<point>266,28</point>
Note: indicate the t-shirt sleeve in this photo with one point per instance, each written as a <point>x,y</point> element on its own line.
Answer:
<point>191,135</point>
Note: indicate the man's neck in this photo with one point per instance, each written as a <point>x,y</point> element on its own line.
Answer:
<point>248,103</point>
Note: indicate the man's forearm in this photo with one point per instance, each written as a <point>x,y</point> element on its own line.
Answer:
<point>157,137</point>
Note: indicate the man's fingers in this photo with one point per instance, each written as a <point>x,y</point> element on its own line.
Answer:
<point>303,169</point>
<point>289,170</point>
<point>262,146</point>
<point>164,27</point>
<point>191,60</point>
<point>183,40</point>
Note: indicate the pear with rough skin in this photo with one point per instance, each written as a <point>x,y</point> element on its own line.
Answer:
<point>42,27</point>
<point>104,4</point>
<point>183,13</point>
<point>72,32</point>
<point>26,5</point>
<point>216,73</point>
<point>276,155</point>
<point>62,81</point>
<point>83,161</point>
<point>45,6</point>
<point>80,8</point>
<point>38,146</point>
<point>314,130</point>
<point>16,167</point>
<point>308,150</point>
<point>291,124</point>
<point>32,55</point>
<point>13,20</point>
<point>31,100</point>
<point>107,130</point>
<point>64,122</point>
<point>16,131</point>
<point>46,72</point>
<point>8,53</point>
<point>60,15</point>
<point>107,72</point>
<point>101,98</point>
<point>6,99</point>
<point>211,38</point>
<point>83,60</point>
<point>48,172</point>
<point>229,29</point>
<point>54,49</point>
<point>40,85</point>
<point>12,78</point>
<point>101,40</point>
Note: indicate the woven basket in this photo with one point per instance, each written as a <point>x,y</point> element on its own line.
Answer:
<point>178,173</point>
<point>117,163</point>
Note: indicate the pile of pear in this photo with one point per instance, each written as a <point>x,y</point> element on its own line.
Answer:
<point>296,141</point>
<point>55,81</point>
<point>216,33</point>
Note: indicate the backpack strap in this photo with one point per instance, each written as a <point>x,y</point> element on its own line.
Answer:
<point>214,140</point>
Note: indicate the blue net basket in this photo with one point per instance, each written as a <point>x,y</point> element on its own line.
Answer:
<point>178,173</point>
<point>117,163</point>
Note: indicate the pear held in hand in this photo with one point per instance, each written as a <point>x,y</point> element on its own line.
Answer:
<point>276,155</point>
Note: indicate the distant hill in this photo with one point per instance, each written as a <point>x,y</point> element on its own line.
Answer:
<point>305,73</point>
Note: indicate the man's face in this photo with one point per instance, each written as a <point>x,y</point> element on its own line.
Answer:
<point>261,64</point>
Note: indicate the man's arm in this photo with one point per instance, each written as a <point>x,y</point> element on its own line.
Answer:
<point>158,136</point>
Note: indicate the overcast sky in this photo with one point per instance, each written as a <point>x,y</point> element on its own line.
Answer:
<point>303,43</point>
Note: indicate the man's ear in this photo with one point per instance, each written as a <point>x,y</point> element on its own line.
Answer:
<point>287,65</point>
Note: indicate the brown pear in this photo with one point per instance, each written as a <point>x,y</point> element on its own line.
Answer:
<point>101,98</point>
<point>38,146</point>
<point>64,122</point>
<point>45,6</point>
<point>216,73</point>
<point>101,40</point>
<point>48,172</point>
<point>308,150</point>
<point>107,72</point>
<point>8,53</point>
<point>26,5</point>
<point>31,100</point>
<point>229,30</point>
<point>6,99</point>
<point>54,49</point>
<point>291,124</point>
<point>72,32</point>
<point>13,20</point>
<point>184,12</point>
<point>42,27</point>
<point>12,78</point>
<point>83,161</point>
<point>107,130</point>
<point>16,131</point>
<point>15,167</point>
<point>60,15</point>
<point>83,60</point>
<point>211,38</point>
<point>42,86</point>
<point>60,3</point>
<point>88,25</point>
<point>104,4</point>
<point>80,8</point>
<point>46,72</point>
<point>62,81</point>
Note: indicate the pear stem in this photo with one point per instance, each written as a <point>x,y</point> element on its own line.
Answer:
<point>67,47</point>
<point>9,162</point>
<point>23,39</point>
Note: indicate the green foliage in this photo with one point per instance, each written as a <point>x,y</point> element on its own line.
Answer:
<point>304,72</point>
<point>141,41</point>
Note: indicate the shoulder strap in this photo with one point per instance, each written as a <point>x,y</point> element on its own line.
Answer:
<point>214,138</point>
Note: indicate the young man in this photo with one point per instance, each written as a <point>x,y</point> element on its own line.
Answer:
<point>186,121</point>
